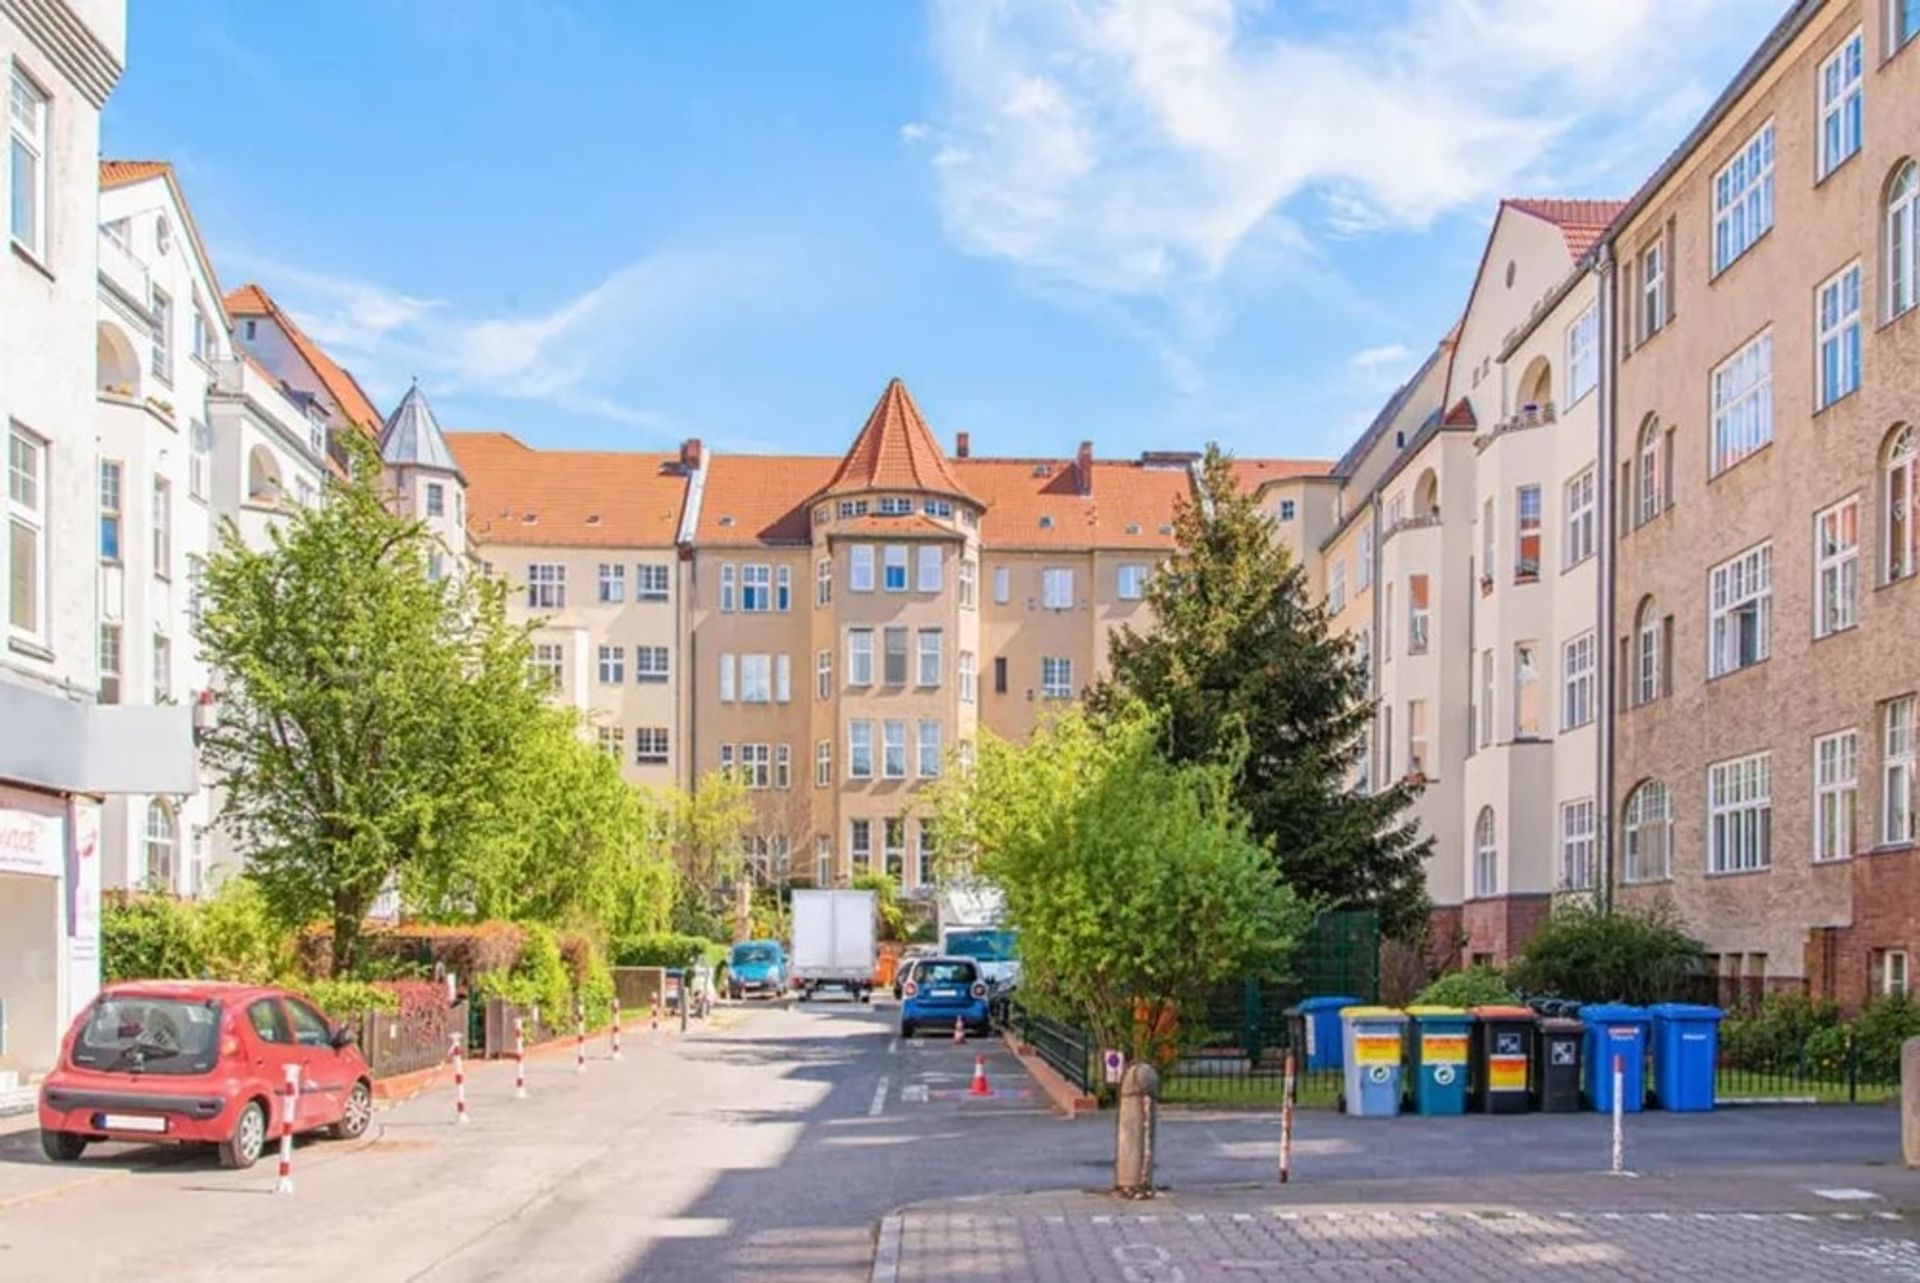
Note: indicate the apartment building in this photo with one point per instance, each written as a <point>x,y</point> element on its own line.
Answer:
<point>1764,286</point>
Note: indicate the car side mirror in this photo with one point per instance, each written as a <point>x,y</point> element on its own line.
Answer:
<point>344,1037</point>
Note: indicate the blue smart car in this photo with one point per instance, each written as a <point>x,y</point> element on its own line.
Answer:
<point>941,991</point>
<point>756,966</point>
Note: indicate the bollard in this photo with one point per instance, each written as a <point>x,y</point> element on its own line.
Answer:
<point>459,1080</point>
<point>519,1059</point>
<point>655,1017</point>
<point>289,1106</point>
<point>580,1038</point>
<point>1619,1108</point>
<point>684,1000</point>
<point>1134,1132</point>
<point>1910,1101</point>
<point>616,1026</point>
<point>1286,1121</point>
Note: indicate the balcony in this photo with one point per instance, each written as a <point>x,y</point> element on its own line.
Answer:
<point>122,271</point>
<point>1531,415</point>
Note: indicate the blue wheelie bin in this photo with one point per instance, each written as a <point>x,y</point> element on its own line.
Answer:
<point>1686,1047</point>
<point>1314,1026</point>
<point>1615,1029</point>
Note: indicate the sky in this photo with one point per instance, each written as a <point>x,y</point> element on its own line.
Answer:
<point>1144,223</point>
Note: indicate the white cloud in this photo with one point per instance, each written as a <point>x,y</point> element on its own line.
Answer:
<point>913,131</point>
<point>1373,358</point>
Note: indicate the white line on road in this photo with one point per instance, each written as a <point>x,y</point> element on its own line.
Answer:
<point>879,1098</point>
<point>893,1047</point>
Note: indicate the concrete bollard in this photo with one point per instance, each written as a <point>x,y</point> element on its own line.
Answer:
<point>1910,1102</point>
<point>1135,1123</point>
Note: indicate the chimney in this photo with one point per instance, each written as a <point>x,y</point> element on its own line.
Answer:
<point>1083,468</point>
<point>690,454</point>
<point>962,445</point>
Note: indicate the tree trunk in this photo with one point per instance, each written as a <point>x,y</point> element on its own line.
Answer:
<point>347,917</point>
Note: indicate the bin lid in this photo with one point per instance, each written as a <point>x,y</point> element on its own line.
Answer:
<point>1502,1012</point>
<point>1326,1003</point>
<point>1429,1011</point>
<point>1373,1013</point>
<point>1613,1013</point>
<point>1561,1025</point>
<point>1684,1011</point>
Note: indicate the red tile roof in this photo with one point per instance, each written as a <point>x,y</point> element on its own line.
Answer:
<point>917,524</point>
<point>1128,507</point>
<point>895,450</point>
<point>1582,222</point>
<point>118,173</point>
<point>760,498</point>
<point>588,498</point>
<point>124,173</point>
<point>1254,473</point>
<point>1461,416</point>
<point>251,300</point>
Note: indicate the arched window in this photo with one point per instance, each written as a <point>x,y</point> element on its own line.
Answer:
<point>1646,653</point>
<point>1647,485</point>
<point>1903,199</point>
<point>1536,385</point>
<point>1898,472</point>
<point>1647,834</point>
<point>116,366</point>
<point>162,842</point>
<point>1426,495</point>
<point>1486,855</point>
<point>263,476</point>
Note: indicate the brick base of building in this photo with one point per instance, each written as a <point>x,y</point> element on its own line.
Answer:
<point>1844,963</point>
<point>1445,937</point>
<point>1497,929</point>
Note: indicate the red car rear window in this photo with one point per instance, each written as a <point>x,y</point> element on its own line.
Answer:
<point>139,1034</point>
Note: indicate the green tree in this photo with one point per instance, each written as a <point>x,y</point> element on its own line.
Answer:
<point>367,711</point>
<point>886,903</point>
<point>708,825</point>
<point>1134,883</point>
<point>1241,663</point>
<point>1626,955</point>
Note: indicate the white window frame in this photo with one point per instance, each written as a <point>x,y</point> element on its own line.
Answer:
<point>893,749</point>
<point>823,581</point>
<point>1578,500</point>
<point>1056,677</point>
<point>1836,567</point>
<point>1487,688</point>
<point>28,106</point>
<point>889,676</point>
<point>1742,391</point>
<point>1900,505</point>
<point>1647,657</point>
<point>860,567</point>
<point>1419,617</point>
<point>651,664</point>
<point>1898,732</point>
<point>612,665</point>
<point>930,656</point>
<point>823,675</point>
<point>756,679</point>
<point>1839,82</point>
<point>162,667</point>
<point>113,517</point>
<point>1526,690</point>
<point>783,678</point>
<point>860,749</point>
<point>783,766</point>
<point>651,745</point>
<point>162,528</point>
<point>729,673</point>
<point>27,473</point>
<point>1577,829</point>
<point>859,656</point>
<point>860,845</point>
<point>1740,814</point>
<point>1836,795</point>
<point>823,764</point>
<point>969,583</point>
<point>646,574</point>
<point>1837,336</point>
<point>756,588</point>
<point>1417,737</point>
<point>1583,355</point>
<point>1529,519</point>
<point>1056,587</point>
<point>1653,289</point>
<point>610,585</point>
<point>546,586</point>
<point>1890,980</point>
<point>1579,663</point>
<point>1486,854</point>
<point>1899,229</point>
<point>1130,582</point>
<point>1336,587</point>
<point>1363,562</point>
<point>967,677</point>
<point>1734,585</point>
<point>1743,199</point>
<point>1002,585</point>
<point>1650,473</point>
<point>927,572</point>
<point>162,362</point>
<point>927,749</point>
<point>199,460</point>
<point>1648,821</point>
<point>894,568</point>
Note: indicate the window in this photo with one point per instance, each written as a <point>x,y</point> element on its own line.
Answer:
<point>1486,698</point>
<point>935,507</point>
<point>783,590</point>
<point>1896,772</point>
<point>1741,605</point>
<point>860,567</point>
<point>1576,845</point>
<point>860,844</point>
<point>1417,737</point>
<point>1897,497</point>
<point>782,767</point>
<point>1647,834</point>
<point>111,473</point>
<point>860,750</point>
<point>1836,794</point>
<point>927,571</point>
<point>649,745</point>
<point>727,588</point>
<point>1890,973</point>
<point>1903,198</point>
<point>1526,690</point>
<point>928,851</point>
<point>823,675</point>
<point>162,668</point>
<point>612,740</point>
<point>1583,354</point>
<point>756,589</point>
<point>852,508</point>
<point>1526,506</point>
<point>893,831</point>
<point>27,531</point>
<point>649,663</point>
<point>860,657</point>
<point>1056,677</point>
<point>930,657</point>
<point>756,765</point>
<point>1577,659</point>
<point>728,674</point>
<point>896,568</point>
<point>162,522</point>
<point>27,166</point>
<point>163,833</point>
<point>1386,737</point>
<point>928,766</point>
<point>1580,518</point>
<point>1653,290</point>
<point>1418,618</point>
<point>822,763</point>
<point>550,666</point>
<point>436,499</point>
<point>613,665</point>
<point>1647,654</point>
<point>202,333</point>
<point>1487,538</point>
<point>110,663</point>
<point>895,506</point>
<point>756,679</point>
<point>1743,199</point>
<point>652,583</point>
<point>1740,815</point>
<point>1363,564</point>
<point>1002,585</point>
<point>893,743</point>
<point>1486,856</point>
<point>1840,103</point>
<point>1649,497</point>
<point>1743,403</point>
<point>200,460</point>
<point>613,581</point>
<point>163,337</point>
<point>1000,675</point>
<point>1056,587</point>
<point>546,587</point>
<point>969,588</point>
<point>894,641</point>
<point>1904,22</point>
<point>966,677</point>
<point>1363,658</point>
<point>1839,330</point>
<point>1337,587</point>
<point>1836,552</point>
<point>1131,583</point>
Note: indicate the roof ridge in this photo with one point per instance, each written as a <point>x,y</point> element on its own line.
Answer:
<point>895,448</point>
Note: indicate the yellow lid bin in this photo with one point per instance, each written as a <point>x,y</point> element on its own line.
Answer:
<point>1373,1047</point>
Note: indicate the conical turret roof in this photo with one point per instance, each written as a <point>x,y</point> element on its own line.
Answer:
<point>412,438</point>
<point>896,450</point>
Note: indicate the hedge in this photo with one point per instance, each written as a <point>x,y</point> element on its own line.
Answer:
<point>666,949</point>
<point>467,950</point>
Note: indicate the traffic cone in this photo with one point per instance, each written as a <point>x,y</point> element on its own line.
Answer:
<point>980,1087</point>
<point>959,1029</point>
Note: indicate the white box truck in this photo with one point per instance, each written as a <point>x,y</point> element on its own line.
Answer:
<point>973,925</point>
<point>833,942</point>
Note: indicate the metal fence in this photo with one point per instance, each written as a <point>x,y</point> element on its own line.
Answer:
<point>396,1042</point>
<point>1828,1071</point>
<point>1069,1050</point>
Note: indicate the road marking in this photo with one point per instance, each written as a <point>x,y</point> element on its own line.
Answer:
<point>1847,1194</point>
<point>914,1094</point>
<point>879,1098</point>
<point>893,1047</point>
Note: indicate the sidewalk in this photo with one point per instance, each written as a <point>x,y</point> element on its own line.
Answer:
<point>1745,1224</point>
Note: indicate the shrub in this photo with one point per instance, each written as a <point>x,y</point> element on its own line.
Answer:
<point>238,936</point>
<point>596,990</point>
<point>539,977</point>
<point>1883,1025</point>
<point>1474,987</point>
<point>149,937</point>
<point>346,1000</point>
<point>1623,956</point>
<point>886,901</point>
<point>1780,1033</point>
<point>666,949</point>
<point>411,950</point>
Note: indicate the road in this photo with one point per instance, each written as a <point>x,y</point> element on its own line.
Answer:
<point>769,1146</point>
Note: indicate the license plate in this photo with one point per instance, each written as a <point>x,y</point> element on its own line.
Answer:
<point>946,993</point>
<point>132,1123</point>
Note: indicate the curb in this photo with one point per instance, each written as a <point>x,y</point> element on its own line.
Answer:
<point>404,1087</point>
<point>1065,1097</point>
<point>886,1251</point>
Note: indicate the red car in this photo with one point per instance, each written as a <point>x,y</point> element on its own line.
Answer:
<point>201,1063</point>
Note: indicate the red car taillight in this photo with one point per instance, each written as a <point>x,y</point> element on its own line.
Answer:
<point>910,989</point>
<point>229,1047</point>
<point>979,989</point>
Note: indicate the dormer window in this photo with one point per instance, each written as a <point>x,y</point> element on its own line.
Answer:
<point>1046,523</point>
<point>895,506</point>
<point>822,514</point>
<point>1042,470</point>
<point>593,518</point>
<point>529,518</point>
<point>726,522</point>
<point>937,508</point>
<point>1133,527</point>
<point>852,508</point>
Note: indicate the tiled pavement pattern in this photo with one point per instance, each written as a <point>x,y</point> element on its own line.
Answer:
<point>1068,1240</point>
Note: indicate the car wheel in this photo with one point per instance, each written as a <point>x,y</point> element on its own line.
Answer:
<point>62,1147</point>
<point>242,1149</point>
<point>357,1116</point>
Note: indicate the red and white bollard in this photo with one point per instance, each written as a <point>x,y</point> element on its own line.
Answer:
<point>616,1027</point>
<point>289,1105</point>
<point>519,1059</point>
<point>580,1038</point>
<point>459,1080</point>
<point>959,1029</point>
<point>1286,1122</point>
<point>655,1019</point>
<point>1619,1107</point>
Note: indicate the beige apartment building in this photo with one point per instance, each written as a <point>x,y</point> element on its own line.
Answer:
<point>1768,376</point>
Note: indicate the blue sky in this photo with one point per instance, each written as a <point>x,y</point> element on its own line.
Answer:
<point>614,225</point>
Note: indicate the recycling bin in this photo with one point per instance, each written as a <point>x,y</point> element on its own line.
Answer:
<point>1686,1046</point>
<point>1502,1045</point>
<point>1372,1037</point>
<point>1615,1029</point>
<point>1437,1059</point>
<point>1313,1028</point>
<point>1556,1064</point>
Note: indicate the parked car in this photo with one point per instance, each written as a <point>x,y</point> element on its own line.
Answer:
<point>756,966</point>
<point>201,1062</point>
<point>941,991</point>
<point>903,971</point>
